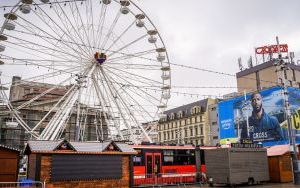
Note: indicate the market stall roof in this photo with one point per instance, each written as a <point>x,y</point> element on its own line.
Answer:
<point>278,150</point>
<point>10,148</point>
<point>64,146</point>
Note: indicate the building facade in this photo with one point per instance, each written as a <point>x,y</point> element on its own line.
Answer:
<point>187,124</point>
<point>265,75</point>
<point>149,127</point>
<point>213,133</point>
<point>12,134</point>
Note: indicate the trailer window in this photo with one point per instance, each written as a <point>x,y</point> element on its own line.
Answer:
<point>168,157</point>
<point>184,157</point>
<point>137,160</point>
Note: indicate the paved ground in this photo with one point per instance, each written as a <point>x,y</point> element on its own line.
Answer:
<point>267,185</point>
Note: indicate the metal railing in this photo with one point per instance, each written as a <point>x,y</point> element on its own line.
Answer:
<point>31,184</point>
<point>169,179</point>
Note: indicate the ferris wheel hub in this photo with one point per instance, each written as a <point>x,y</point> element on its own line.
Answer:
<point>100,57</point>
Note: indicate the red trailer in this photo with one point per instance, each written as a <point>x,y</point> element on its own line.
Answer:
<point>156,164</point>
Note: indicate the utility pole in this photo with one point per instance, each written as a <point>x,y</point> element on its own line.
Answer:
<point>247,118</point>
<point>281,67</point>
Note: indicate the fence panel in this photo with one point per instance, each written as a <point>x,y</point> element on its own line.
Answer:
<point>29,184</point>
<point>168,179</point>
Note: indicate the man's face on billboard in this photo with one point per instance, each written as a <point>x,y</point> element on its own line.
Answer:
<point>256,102</point>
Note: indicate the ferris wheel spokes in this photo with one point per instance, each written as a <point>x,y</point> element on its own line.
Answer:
<point>105,105</point>
<point>52,28</point>
<point>116,95</point>
<point>129,77</point>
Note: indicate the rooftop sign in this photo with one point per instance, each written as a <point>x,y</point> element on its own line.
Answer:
<point>271,49</point>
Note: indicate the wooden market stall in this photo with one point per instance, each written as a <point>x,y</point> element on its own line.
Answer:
<point>280,164</point>
<point>80,164</point>
<point>9,162</point>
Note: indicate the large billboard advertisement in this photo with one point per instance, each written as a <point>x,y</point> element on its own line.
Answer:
<point>260,117</point>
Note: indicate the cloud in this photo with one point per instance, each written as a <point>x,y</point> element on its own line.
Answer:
<point>212,34</point>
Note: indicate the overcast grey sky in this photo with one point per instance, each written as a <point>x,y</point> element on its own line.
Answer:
<point>212,34</point>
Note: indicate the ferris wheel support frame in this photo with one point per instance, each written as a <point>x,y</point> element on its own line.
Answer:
<point>111,86</point>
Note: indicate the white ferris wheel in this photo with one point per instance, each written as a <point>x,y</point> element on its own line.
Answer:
<point>106,54</point>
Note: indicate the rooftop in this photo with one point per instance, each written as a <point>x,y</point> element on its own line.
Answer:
<point>263,66</point>
<point>187,108</point>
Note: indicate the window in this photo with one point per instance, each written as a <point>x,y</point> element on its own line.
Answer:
<point>195,110</point>
<point>137,160</point>
<point>185,133</point>
<point>172,134</point>
<point>201,130</point>
<point>196,130</point>
<point>168,157</point>
<point>191,131</point>
<point>280,81</point>
<point>180,114</point>
<point>201,119</point>
<point>285,75</point>
<point>192,110</point>
<point>201,142</point>
<point>165,138</point>
<point>215,137</point>
<point>193,120</point>
<point>172,116</point>
<point>184,157</point>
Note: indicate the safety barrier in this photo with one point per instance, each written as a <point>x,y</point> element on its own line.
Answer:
<point>24,184</point>
<point>168,179</point>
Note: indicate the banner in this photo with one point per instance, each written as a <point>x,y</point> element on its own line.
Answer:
<point>259,117</point>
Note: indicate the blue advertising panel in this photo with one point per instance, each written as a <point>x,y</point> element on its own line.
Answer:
<point>259,117</point>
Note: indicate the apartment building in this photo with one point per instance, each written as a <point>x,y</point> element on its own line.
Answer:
<point>187,124</point>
